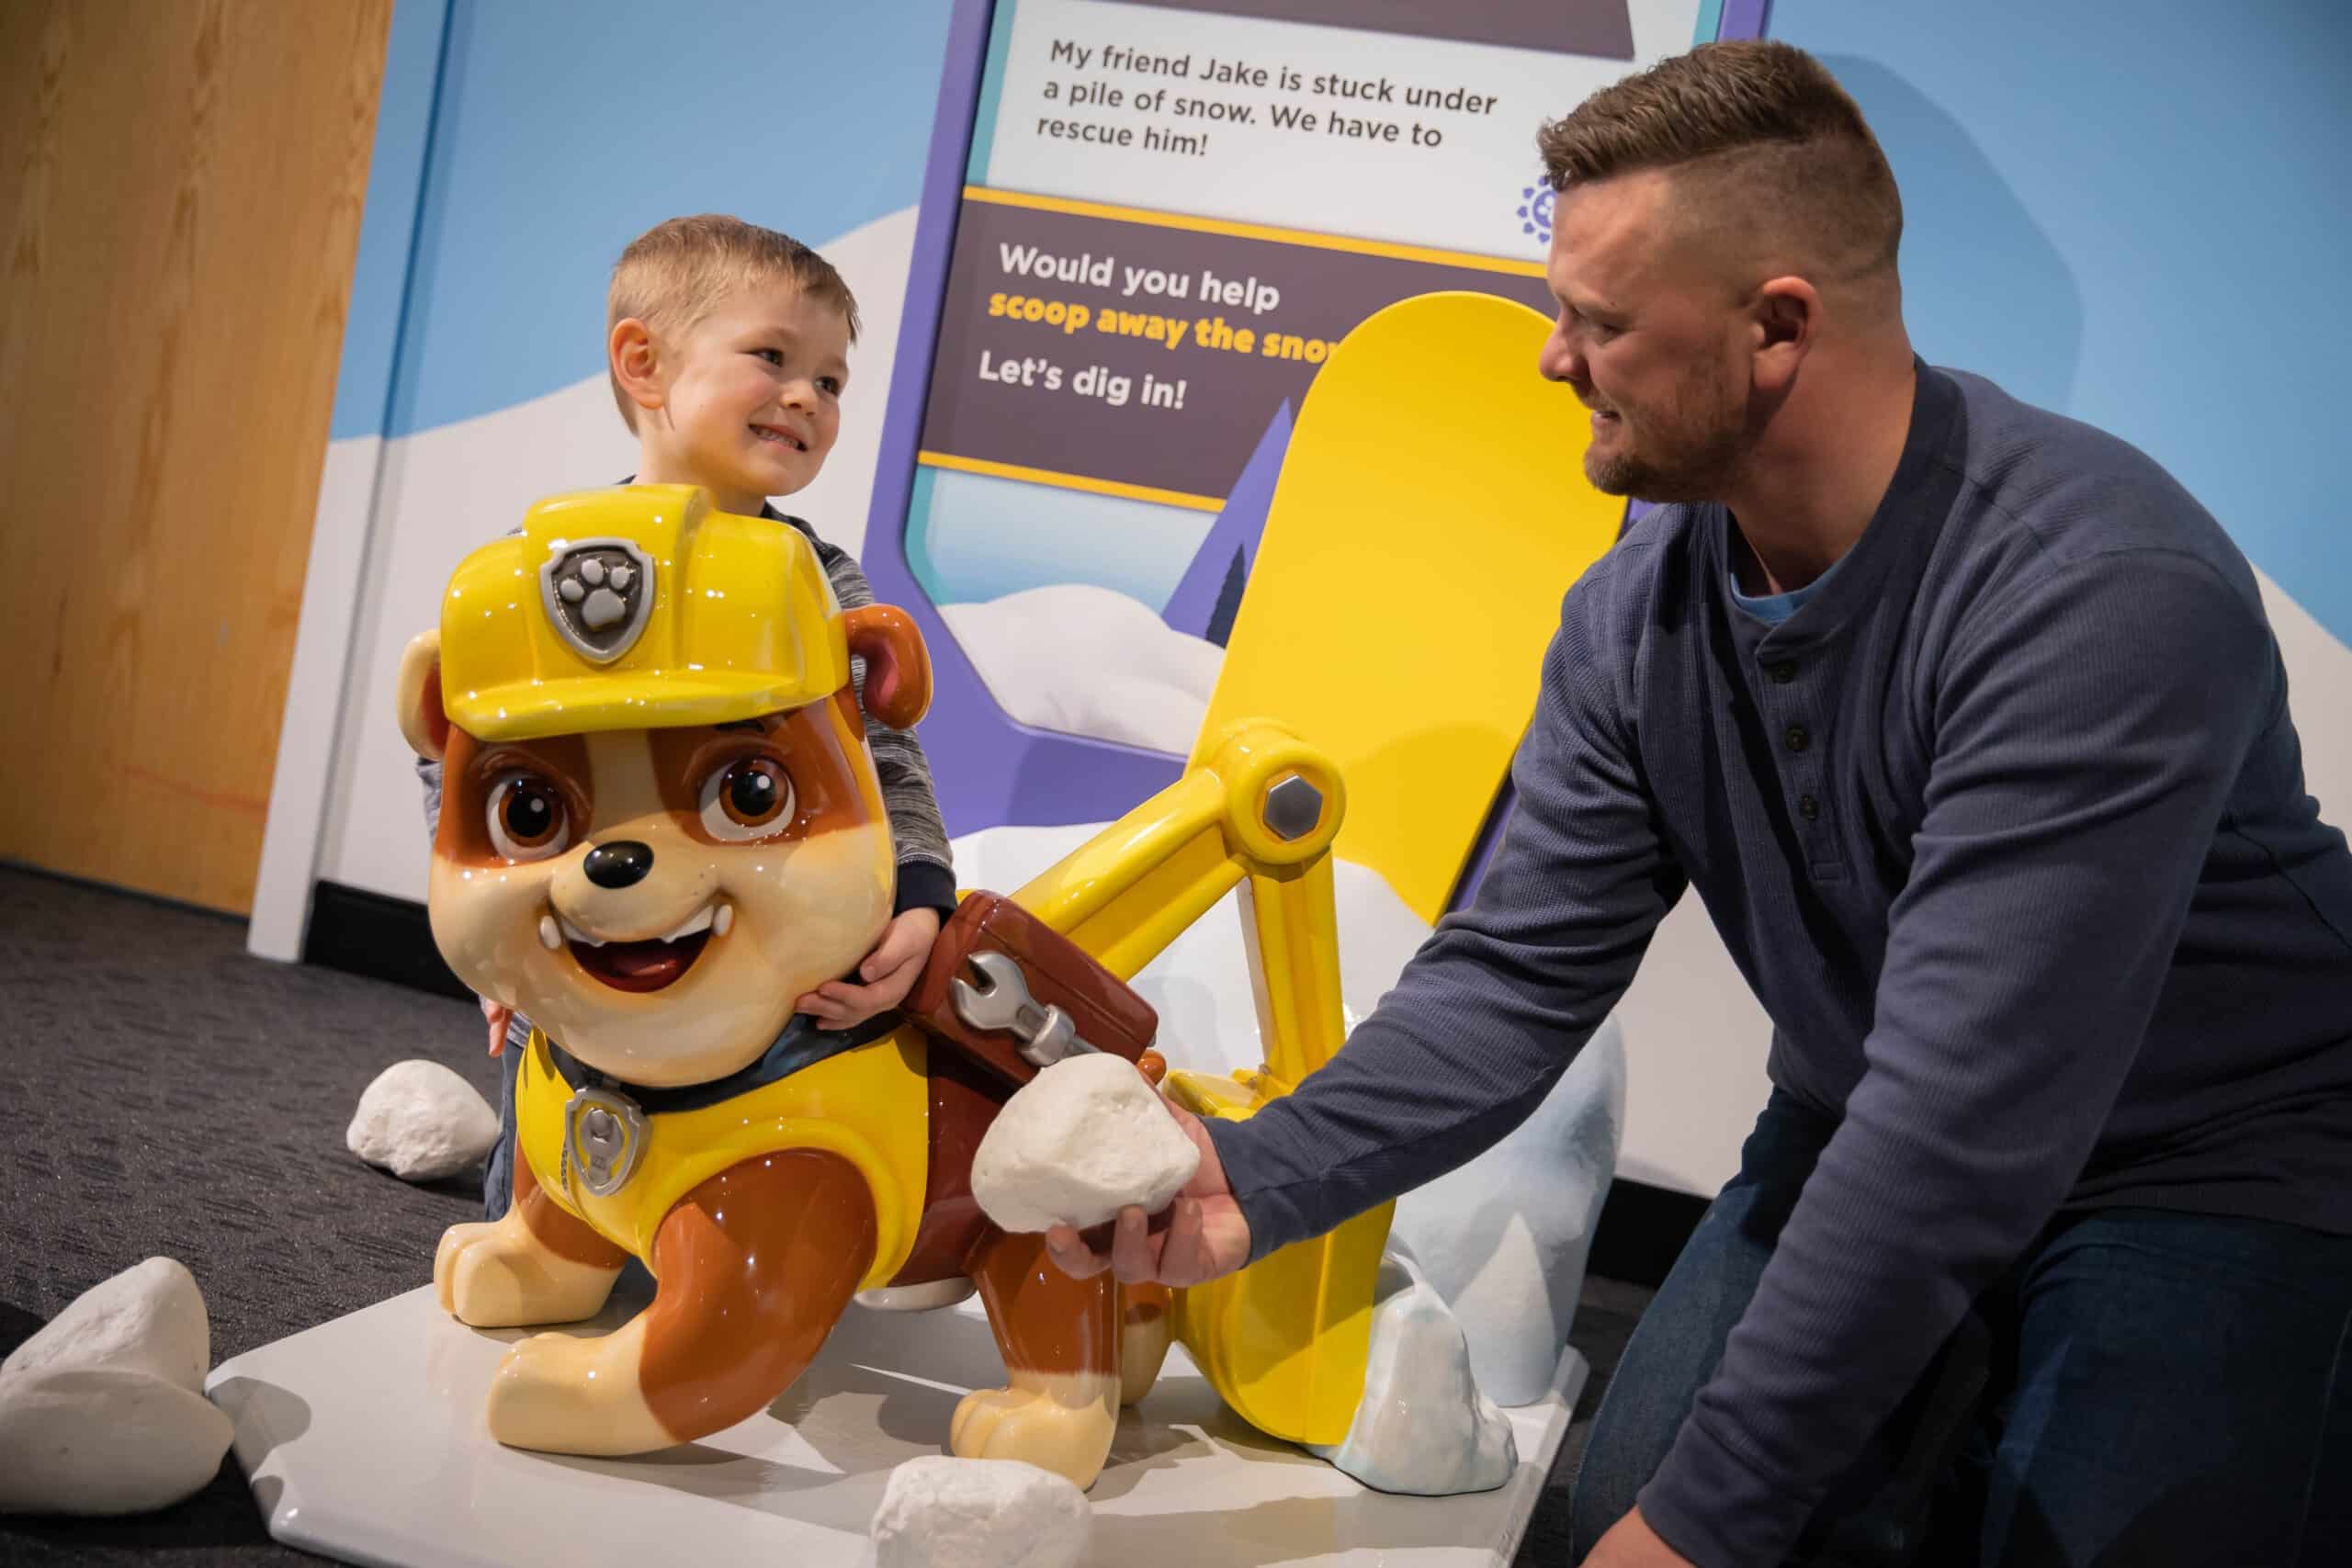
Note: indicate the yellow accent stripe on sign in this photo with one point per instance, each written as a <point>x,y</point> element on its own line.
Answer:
<point>1071,481</point>
<point>1307,238</point>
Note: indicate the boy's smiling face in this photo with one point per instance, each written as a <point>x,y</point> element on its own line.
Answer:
<point>749,397</point>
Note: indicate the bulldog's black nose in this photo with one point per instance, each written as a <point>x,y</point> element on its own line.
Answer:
<point>619,865</point>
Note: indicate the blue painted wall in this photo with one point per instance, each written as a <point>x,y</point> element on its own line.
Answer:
<point>2135,214</point>
<point>2138,215</point>
<point>561,128</point>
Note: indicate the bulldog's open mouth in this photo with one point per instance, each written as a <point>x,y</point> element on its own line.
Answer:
<point>646,965</point>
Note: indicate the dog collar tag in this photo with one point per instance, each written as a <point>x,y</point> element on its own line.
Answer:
<point>604,1138</point>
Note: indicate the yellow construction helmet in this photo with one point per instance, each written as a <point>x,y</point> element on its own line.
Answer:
<point>637,607</point>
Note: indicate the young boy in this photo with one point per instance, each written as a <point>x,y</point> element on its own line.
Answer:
<point>728,346</point>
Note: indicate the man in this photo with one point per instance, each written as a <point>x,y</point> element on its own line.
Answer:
<point>1965,723</point>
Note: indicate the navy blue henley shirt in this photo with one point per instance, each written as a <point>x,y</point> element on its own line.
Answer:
<point>2006,826</point>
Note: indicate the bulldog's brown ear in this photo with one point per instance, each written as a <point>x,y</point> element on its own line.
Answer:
<point>423,723</point>
<point>897,668</point>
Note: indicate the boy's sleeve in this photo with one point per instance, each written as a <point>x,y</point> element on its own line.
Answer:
<point>926,874</point>
<point>428,773</point>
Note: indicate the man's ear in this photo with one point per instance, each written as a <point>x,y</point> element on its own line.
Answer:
<point>1788,317</point>
<point>636,362</point>
<point>423,723</point>
<point>897,668</point>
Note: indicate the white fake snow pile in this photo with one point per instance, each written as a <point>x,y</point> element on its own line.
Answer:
<point>1081,659</point>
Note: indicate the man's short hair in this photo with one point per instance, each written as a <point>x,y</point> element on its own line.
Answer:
<point>676,273</point>
<point>1759,132</point>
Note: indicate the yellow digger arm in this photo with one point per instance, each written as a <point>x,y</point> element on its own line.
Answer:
<point>1285,1340</point>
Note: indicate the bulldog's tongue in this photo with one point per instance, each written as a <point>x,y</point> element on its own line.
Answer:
<point>639,966</point>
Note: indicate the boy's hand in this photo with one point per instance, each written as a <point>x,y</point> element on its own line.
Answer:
<point>889,973</point>
<point>497,1015</point>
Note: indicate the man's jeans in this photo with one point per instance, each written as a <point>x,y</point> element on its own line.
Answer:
<point>2144,1388</point>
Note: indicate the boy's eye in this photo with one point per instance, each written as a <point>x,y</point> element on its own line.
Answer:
<point>829,384</point>
<point>772,355</point>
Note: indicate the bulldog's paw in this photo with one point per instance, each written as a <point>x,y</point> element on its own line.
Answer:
<point>1149,1324</point>
<point>568,1395</point>
<point>1061,1422</point>
<point>501,1276</point>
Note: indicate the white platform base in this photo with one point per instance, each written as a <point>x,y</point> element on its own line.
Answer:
<point>363,1439</point>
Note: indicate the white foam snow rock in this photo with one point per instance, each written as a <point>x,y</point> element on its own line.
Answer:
<point>149,1318</point>
<point>421,1122</point>
<point>938,1512</point>
<point>102,1411</point>
<point>1078,1143</point>
<point>1423,1429</point>
<point>1505,1238</point>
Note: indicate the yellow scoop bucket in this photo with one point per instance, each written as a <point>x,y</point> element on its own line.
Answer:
<point>1427,521</point>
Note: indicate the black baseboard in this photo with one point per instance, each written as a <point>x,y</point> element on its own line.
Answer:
<point>379,936</point>
<point>1640,1231</point>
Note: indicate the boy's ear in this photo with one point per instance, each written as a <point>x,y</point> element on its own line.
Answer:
<point>897,668</point>
<point>635,362</point>
<point>424,722</point>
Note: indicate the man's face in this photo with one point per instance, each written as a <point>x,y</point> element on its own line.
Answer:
<point>1648,337</point>
<point>753,391</point>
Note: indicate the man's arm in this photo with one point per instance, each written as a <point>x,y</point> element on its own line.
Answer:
<point>1497,1002</point>
<point>2087,732</point>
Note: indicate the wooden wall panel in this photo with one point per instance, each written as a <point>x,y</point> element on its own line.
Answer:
<point>180,191</point>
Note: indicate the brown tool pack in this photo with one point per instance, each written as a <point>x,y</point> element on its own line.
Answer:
<point>1109,1016</point>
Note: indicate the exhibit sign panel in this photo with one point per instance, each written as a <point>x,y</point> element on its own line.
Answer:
<point>1167,216</point>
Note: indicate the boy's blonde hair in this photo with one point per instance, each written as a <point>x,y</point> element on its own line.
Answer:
<point>676,273</point>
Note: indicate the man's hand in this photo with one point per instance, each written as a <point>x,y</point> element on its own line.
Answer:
<point>497,1015</point>
<point>889,973</point>
<point>1206,1235</point>
<point>1630,1543</point>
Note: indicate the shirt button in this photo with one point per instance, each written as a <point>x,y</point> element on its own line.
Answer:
<point>1798,738</point>
<point>1782,671</point>
<point>1808,807</point>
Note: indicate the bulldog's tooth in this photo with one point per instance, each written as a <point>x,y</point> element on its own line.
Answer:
<point>725,918</point>
<point>550,937</point>
<point>698,921</point>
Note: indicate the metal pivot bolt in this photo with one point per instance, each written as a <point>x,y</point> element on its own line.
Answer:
<point>1293,807</point>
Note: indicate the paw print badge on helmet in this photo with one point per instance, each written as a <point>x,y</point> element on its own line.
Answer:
<point>598,594</point>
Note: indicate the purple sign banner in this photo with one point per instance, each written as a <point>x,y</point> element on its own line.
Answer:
<point>1140,353</point>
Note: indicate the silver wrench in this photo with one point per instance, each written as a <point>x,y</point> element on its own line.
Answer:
<point>1046,1034</point>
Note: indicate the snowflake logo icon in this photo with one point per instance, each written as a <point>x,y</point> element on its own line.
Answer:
<point>1536,213</point>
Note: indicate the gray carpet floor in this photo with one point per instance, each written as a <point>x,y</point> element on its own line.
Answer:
<point>163,1092</point>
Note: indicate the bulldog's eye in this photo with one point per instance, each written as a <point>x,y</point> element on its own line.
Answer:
<point>749,799</point>
<point>527,820</point>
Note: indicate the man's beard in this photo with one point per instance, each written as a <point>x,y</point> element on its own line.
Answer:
<point>1686,451</point>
